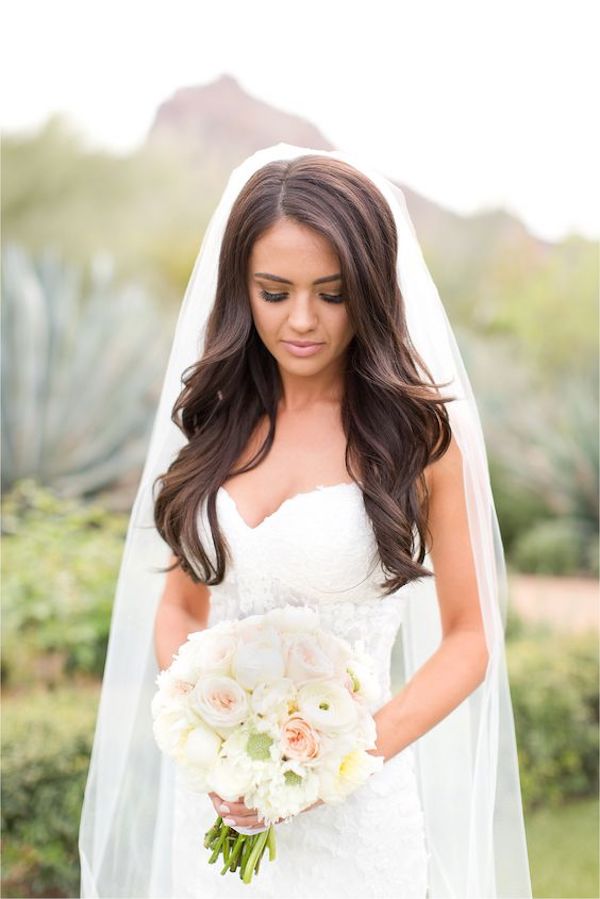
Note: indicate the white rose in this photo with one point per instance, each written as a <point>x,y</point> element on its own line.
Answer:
<point>171,691</point>
<point>201,746</point>
<point>255,627</point>
<point>220,701</point>
<point>208,651</point>
<point>306,660</point>
<point>336,649</point>
<point>258,661</point>
<point>187,663</point>
<point>217,654</point>
<point>327,706</point>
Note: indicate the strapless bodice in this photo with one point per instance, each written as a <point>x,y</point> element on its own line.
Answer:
<point>317,549</point>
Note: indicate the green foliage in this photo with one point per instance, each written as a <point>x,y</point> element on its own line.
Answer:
<point>560,546</point>
<point>60,564</point>
<point>46,745</point>
<point>555,694</point>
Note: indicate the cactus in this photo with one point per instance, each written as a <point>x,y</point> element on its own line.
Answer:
<point>81,356</point>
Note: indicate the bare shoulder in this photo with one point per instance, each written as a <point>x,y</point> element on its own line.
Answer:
<point>445,470</point>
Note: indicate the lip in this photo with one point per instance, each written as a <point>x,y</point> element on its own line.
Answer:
<point>302,348</point>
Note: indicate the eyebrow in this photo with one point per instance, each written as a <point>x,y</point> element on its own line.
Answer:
<point>285,280</point>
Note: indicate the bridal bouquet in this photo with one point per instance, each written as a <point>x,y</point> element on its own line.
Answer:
<point>273,708</point>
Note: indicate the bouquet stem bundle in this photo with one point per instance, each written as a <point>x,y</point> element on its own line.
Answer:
<point>240,851</point>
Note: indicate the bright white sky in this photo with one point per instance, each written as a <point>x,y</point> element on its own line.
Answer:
<point>473,104</point>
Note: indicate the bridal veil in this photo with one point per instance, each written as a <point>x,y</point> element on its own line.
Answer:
<point>467,765</point>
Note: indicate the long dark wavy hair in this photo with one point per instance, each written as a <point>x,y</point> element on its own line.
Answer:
<point>394,417</point>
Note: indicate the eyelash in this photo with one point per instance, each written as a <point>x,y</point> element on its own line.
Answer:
<point>278,297</point>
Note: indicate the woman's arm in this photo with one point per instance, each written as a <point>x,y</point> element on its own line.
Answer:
<point>459,664</point>
<point>184,607</point>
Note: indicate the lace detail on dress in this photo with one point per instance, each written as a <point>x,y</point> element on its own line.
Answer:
<point>318,550</point>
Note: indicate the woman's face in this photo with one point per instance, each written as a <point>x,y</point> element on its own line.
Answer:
<point>296,294</point>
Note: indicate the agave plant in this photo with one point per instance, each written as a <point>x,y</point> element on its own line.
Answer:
<point>81,359</point>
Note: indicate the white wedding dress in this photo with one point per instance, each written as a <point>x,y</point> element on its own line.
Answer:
<point>317,549</point>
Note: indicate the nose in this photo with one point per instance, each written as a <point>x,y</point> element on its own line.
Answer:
<point>302,314</point>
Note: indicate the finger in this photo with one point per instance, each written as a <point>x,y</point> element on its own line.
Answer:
<point>238,809</point>
<point>249,821</point>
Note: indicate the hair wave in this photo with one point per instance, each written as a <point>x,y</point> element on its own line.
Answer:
<point>393,414</point>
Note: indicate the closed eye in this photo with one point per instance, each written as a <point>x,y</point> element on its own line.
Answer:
<point>277,297</point>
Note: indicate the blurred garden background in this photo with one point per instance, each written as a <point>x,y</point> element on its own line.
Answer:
<point>97,248</point>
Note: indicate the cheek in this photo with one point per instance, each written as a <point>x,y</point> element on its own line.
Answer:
<point>342,327</point>
<point>263,316</point>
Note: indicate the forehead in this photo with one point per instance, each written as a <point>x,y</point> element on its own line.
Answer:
<point>292,244</point>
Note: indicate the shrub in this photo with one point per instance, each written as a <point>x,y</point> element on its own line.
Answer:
<point>554,688</point>
<point>560,546</point>
<point>46,745</point>
<point>60,565</point>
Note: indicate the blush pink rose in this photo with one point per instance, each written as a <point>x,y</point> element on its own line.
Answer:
<point>299,740</point>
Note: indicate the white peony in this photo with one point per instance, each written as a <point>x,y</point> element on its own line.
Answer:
<point>293,619</point>
<point>229,779</point>
<point>327,706</point>
<point>260,660</point>
<point>201,746</point>
<point>171,727</point>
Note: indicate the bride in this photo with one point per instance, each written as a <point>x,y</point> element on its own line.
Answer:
<point>312,458</point>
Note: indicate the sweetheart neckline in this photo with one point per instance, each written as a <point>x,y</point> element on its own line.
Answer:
<point>318,489</point>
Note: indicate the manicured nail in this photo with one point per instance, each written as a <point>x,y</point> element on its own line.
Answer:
<point>224,808</point>
<point>229,821</point>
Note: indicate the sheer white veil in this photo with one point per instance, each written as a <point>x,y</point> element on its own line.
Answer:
<point>467,765</point>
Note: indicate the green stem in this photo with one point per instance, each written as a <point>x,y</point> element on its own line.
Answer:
<point>271,843</point>
<point>217,849</point>
<point>212,832</point>
<point>246,853</point>
<point>235,852</point>
<point>257,851</point>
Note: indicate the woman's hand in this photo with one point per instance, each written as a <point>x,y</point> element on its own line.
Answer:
<point>238,814</point>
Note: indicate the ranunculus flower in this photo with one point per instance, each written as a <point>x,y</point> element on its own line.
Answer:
<point>260,660</point>
<point>327,706</point>
<point>368,685</point>
<point>341,777</point>
<point>299,740</point>
<point>220,701</point>
<point>305,659</point>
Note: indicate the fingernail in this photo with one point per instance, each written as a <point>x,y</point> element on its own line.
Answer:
<point>229,821</point>
<point>224,808</point>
